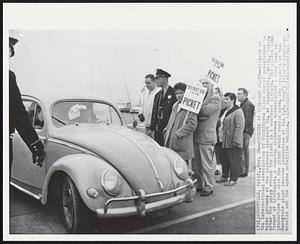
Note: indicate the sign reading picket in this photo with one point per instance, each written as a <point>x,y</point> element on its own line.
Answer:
<point>215,71</point>
<point>193,97</point>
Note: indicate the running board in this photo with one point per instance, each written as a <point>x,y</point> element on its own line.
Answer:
<point>38,197</point>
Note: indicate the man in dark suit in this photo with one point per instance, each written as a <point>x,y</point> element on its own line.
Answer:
<point>248,109</point>
<point>19,120</point>
<point>162,106</point>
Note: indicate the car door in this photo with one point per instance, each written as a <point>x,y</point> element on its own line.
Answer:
<point>23,168</point>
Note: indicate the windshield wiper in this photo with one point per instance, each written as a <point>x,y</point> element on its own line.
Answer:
<point>60,121</point>
<point>65,122</point>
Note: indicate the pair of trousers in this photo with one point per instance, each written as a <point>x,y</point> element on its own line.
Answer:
<point>159,137</point>
<point>203,166</point>
<point>245,154</point>
<point>218,148</point>
<point>231,163</point>
<point>10,155</point>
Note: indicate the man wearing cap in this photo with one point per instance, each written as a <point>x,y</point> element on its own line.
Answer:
<point>162,106</point>
<point>19,120</point>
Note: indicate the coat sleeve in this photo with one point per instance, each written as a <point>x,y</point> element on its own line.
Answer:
<point>249,116</point>
<point>22,123</point>
<point>189,126</point>
<point>209,108</point>
<point>141,101</point>
<point>154,119</point>
<point>239,124</point>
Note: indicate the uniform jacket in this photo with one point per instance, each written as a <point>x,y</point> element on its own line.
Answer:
<point>207,119</point>
<point>166,103</point>
<point>233,127</point>
<point>248,109</point>
<point>18,117</point>
<point>179,136</point>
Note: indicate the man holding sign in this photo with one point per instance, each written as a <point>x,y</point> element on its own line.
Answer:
<point>205,138</point>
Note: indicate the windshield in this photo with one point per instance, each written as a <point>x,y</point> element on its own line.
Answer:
<point>79,112</point>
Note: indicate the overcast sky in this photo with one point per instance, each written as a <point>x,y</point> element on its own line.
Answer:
<point>103,61</point>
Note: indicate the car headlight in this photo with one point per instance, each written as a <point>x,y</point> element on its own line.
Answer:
<point>111,182</point>
<point>181,169</point>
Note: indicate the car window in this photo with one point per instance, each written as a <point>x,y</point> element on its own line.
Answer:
<point>70,112</point>
<point>38,118</point>
<point>106,114</point>
<point>35,114</point>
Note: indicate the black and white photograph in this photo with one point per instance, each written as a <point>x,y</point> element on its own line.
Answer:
<point>160,121</point>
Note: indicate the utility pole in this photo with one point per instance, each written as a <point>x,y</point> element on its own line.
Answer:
<point>134,121</point>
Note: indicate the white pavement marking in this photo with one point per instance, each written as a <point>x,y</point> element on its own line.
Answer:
<point>192,216</point>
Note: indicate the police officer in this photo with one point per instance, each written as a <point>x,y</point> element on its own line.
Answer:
<point>162,106</point>
<point>19,120</point>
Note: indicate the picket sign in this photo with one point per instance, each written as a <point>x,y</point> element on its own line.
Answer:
<point>215,71</point>
<point>194,93</point>
<point>193,97</point>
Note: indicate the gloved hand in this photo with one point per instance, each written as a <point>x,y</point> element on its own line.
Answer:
<point>134,124</point>
<point>141,117</point>
<point>38,153</point>
<point>151,133</point>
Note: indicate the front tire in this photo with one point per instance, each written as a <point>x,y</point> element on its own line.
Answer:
<point>76,216</point>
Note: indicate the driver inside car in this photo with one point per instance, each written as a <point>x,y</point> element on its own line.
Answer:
<point>86,115</point>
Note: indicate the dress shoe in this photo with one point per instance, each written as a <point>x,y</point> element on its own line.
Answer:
<point>222,180</point>
<point>243,175</point>
<point>230,183</point>
<point>206,193</point>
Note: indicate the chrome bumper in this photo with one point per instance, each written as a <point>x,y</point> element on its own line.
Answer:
<point>141,208</point>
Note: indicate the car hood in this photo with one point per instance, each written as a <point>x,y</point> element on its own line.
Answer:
<point>135,156</point>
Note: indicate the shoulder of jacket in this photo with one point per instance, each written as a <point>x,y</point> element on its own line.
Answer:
<point>11,73</point>
<point>157,89</point>
<point>157,94</point>
<point>248,103</point>
<point>239,111</point>
<point>216,96</point>
<point>175,105</point>
<point>171,88</point>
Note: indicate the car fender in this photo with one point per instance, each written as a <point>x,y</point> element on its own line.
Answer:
<point>173,156</point>
<point>86,171</point>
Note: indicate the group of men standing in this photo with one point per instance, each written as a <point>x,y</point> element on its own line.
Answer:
<point>222,128</point>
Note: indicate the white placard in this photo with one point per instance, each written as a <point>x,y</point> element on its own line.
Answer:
<point>215,71</point>
<point>193,97</point>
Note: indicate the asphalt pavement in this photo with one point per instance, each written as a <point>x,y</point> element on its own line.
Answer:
<point>28,216</point>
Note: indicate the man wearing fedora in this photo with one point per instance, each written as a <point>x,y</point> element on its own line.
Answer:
<point>162,106</point>
<point>19,120</point>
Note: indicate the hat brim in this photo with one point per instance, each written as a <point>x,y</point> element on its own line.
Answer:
<point>167,76</point>
<point>13,41</point>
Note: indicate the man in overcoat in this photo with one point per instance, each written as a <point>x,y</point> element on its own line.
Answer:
<point>19,120</point>
<point>248,110</point>
<point>205,137</point>
<point>162,106</point>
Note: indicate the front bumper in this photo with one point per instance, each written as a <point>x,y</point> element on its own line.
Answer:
<point>141,208</point>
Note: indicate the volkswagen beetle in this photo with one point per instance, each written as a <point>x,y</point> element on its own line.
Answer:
<point>95,165</point>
